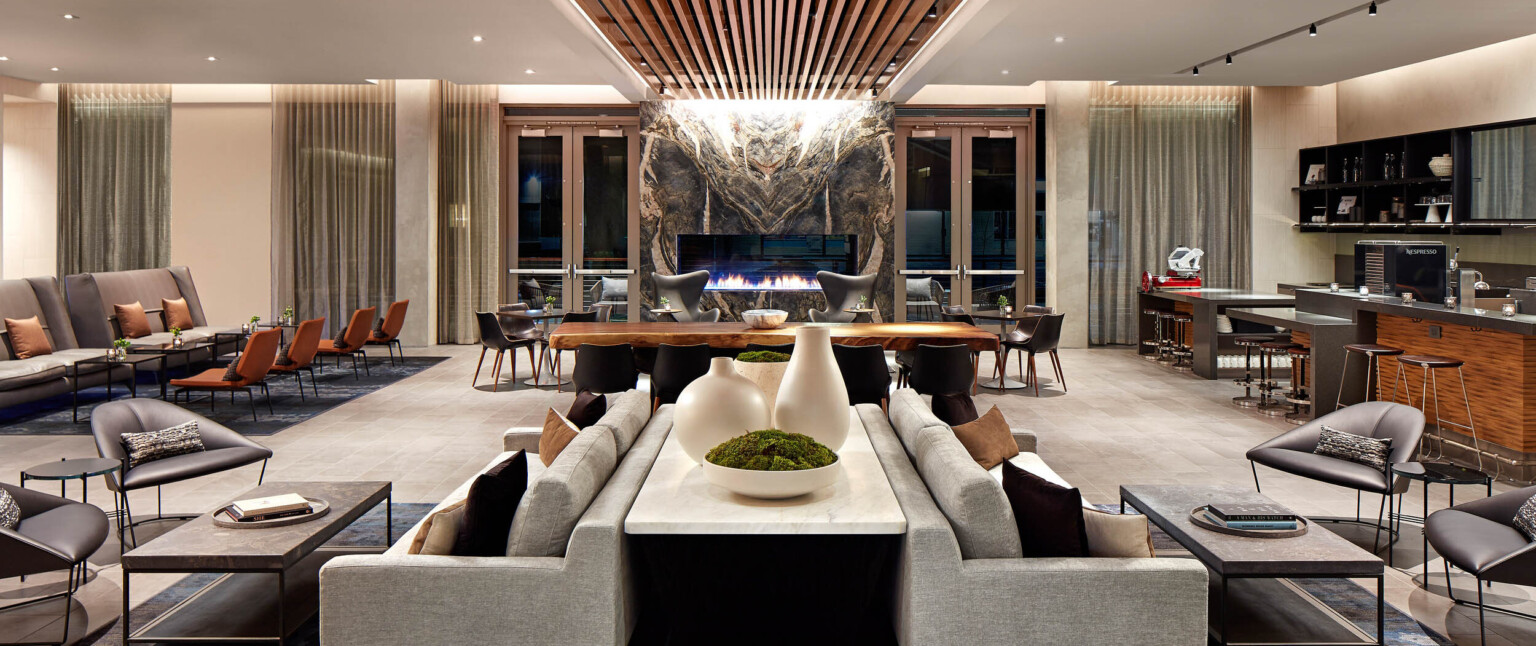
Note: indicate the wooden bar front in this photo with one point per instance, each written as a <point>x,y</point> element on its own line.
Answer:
<point>892,336</point>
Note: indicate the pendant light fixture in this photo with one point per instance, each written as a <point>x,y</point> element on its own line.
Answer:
<point>1196,71</point>
<point>1229,59</point>
<point>1312,31</point>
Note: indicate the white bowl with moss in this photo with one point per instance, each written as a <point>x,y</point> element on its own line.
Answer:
<point>772,465</point>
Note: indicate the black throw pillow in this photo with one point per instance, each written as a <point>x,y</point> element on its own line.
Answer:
<point>1049,516</point>
<point>587,409</point>
<point>489,508</point>
<point>955,409</point>
<point>340,340</point>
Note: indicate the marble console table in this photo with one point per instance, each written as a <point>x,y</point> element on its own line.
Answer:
<point>710,562</point>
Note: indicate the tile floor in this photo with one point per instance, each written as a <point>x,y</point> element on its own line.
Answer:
<point>1125,420</point>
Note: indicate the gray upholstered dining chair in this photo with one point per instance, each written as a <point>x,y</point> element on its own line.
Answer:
<point>52,534</point>
<point>1480,538</point>
<point>223,450</point>
<point>842,292</point>
<point>923,294</point>
<point>685,292</point>
<point>1293,452</point>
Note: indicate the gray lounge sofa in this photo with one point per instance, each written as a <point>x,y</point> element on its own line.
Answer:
<point>963,581</point>
<point>91,298</point>
<point>581,591</point>
<point>35,378</point>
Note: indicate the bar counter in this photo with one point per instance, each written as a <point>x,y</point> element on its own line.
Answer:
<point>1203,305</point>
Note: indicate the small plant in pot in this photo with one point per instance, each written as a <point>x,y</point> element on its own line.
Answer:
<point>288,315</point>
<point>119,350</point>
<point>766,369</point>
<point>176,337</point>
<point>863,302</point>
<point>771,464</point>
<point>665,304</point>
<point>1003,306</point>
<point>549,302</point>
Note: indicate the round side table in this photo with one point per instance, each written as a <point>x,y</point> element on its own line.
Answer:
<point>75,469</point>
<point>1438,473</point>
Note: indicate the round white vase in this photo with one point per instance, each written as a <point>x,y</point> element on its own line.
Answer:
<point>767,376</point>
<point>812,399</point>
<point>716,407</point>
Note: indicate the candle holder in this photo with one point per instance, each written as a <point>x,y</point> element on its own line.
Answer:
<point>1508,309</point>
<point>1407,298</point>
<point>1365,292</point>
<point>1450,302</point>
<point>1333,287</point>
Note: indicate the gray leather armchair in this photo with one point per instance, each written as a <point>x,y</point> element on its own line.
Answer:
<point>842,292</point>
<point>686,292</point>
<point>1292,451</point>
<point>225,449</point>
<point>54,534</point>
<point>1480,538</point>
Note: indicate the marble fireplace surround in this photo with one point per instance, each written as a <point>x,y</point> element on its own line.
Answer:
<point>768,167</point>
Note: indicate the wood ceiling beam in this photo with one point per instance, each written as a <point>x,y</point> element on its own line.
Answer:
<point>650,25</point>
<point>792,76</point>
<point>855,56</point>
<point>677,27</point>
<point>893,37</point>
<point>829,20</point>
<point>710,33</point>
<point>824,82</point>
<point>744,77</point>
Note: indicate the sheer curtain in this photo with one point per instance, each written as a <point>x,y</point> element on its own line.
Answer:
<point>1167,166</point>
<point>468,209</point>
<point>114,177</point>
<point>333,198</point>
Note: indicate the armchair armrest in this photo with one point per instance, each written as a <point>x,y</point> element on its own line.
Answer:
<point>32,502</point>
<point>522,438</point>
<point>1026,440</point>
<point>1520,564</point>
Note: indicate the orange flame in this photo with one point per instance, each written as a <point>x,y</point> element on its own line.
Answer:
<point>786,282</point>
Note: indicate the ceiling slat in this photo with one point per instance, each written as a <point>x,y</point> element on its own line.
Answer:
<point>855,15</point>
<point>827,24</point>
<point>743,78</point>
<point>679,29</point>
<point>882,42</point>
<point>719,60</point>
<point>855,56</point>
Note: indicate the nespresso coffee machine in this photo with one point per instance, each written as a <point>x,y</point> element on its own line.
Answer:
<point>1391,267</point>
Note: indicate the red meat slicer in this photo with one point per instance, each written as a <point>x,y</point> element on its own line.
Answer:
<point>1183,272</point>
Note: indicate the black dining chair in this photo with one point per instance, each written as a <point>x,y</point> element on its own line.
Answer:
<point>589,316</point>
<point>842,292</point>
<point>943,370</point>
<point>957,314</point>
<point>493,338</point>
<point>605,369</point>
<point>786,348</point>
<point>676,367</point>
<point>1045,337</point>
<point>685,292</point>
<point>864,373</point>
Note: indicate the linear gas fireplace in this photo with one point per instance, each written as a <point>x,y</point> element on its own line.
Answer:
<point>746,262</point>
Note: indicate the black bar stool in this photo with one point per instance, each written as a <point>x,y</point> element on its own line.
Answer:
<point>1373,354</point>
<point>1165,333</point>
<point>1270,351</point>
<point>1248,343</point>
<point>1157,334</point>
<point>1300,400</point>
<point>1430,387</point>
<point>1183,351</point>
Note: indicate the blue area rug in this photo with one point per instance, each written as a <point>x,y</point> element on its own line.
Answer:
<point>1344,596</point>
<point>336,386</point>
<point>368,530</point>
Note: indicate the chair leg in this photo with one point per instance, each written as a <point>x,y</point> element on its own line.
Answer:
<point>298,378</point>
<point>267,392</point>
<point>559,384</point>
<point>250,395</point>
<point>975,372</point>
<point>533,364</point>
<point>366,370</point>
<point>1061,377</point>
<point>313,386</point>
<point>1482,621</point>
<point>496,372</point>
<point>399,348</point>
<point>1255,468</point>
<point>263,475</point>
<point>512,363</point>
<point>1034,375</point>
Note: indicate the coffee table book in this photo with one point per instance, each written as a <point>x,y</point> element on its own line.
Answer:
<point>269,505</point>
<point>1230,512</point>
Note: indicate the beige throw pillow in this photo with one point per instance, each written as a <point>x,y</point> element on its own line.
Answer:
<point>989,440</point>
<point>1117,535</point>
<point>439,531</point>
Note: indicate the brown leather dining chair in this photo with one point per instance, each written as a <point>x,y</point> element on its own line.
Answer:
<point>252,366</point>
<point>301,355</point>
<point>388,334</point>
<point>494,336</point>
<point>358,330</point>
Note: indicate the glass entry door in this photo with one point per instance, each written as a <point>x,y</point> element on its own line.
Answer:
<point>962,214</point>
<point>572,195</point>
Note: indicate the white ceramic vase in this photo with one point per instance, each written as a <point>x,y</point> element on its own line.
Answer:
<point>812,399</point>
<point>767,376</point>
<point>716,407</point>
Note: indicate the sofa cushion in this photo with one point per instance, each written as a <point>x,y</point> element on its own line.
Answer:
<point>560,495</point>
<point>176,313</point>
<point>972,501</point>
<point>10,512</point>
<point>1049,516</point>
<point>490,507</point>
<point>438,531</point>
<point>955,408</point>
<point>1525,518</point>
<point>558,433</point>
<point>988,439</point>
<point>1344,445</point>
<point>149,446</point>
<point>1117,535</point>
<point>28,372</point>
<point>587,409</point>
<point>131,320</point>
<point>909,416</point>
<point>614,290</point>
<point>626,417</point>
<point>28,339</point>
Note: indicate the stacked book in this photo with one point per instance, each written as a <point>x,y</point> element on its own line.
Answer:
<point>269,508</point>
<point>1250,516</point>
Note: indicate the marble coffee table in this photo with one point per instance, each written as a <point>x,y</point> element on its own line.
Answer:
<point>1316,554</point>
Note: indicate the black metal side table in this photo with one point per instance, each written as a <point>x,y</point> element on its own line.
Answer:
<point>108,364</point>
<point>1437,473</point>
<point>75,469</point>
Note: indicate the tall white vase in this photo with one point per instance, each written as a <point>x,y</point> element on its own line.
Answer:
<point>716,407</point>
<point>812,398</point>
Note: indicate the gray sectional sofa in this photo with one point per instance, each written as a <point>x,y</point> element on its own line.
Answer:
<point>28,380</point>
<point>566,578</point>
<point>91,298</point>
<point>962,578</point>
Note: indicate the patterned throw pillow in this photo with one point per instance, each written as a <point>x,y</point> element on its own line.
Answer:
<point>341,338</point>
<point>232,372</point>
<point>158,445</point>
<point>1343,445</point>
<point>1525,519</point>
<point>282,356</point>
<point>10,512</point>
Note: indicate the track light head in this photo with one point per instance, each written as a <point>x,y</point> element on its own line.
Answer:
<point>1312,31</point>
<point>1229,59</point>
<point>1372,10</point>
<point>1196,70</point>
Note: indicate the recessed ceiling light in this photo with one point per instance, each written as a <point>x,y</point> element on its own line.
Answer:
<point>478,38</point>
<point>528,71</point>
<point>212,58</point>
<point>1061,39</point>
<point>70,16</point>
<point>5,58</point>
<point>54,69</point>
<point>1005,71</point>
<point>644,64</point>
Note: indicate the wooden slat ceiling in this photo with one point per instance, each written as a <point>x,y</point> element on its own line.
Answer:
<point>767,49</point>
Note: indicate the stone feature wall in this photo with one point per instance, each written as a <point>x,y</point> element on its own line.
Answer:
<point>783,167</point>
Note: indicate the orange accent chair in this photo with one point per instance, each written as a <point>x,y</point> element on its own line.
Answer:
<point>358,330</point>
<point>389,335</point>
<point>306,341</point>
<point>252,366</point>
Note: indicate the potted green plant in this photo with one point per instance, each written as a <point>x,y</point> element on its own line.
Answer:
<point>863,302</point>
<point>665,304</point>
<point>549,302</point>
<point>1003,306</point>
<point>771,464</point>
<point>119,350</point>
<point>288,315</point>
<point>764,368</point>
<point>176,337</point>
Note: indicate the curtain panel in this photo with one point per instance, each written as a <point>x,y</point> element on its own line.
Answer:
<point>468,209</point>
<point>114,177</point>
<point>1167,166</point>
<point>333,199</point>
